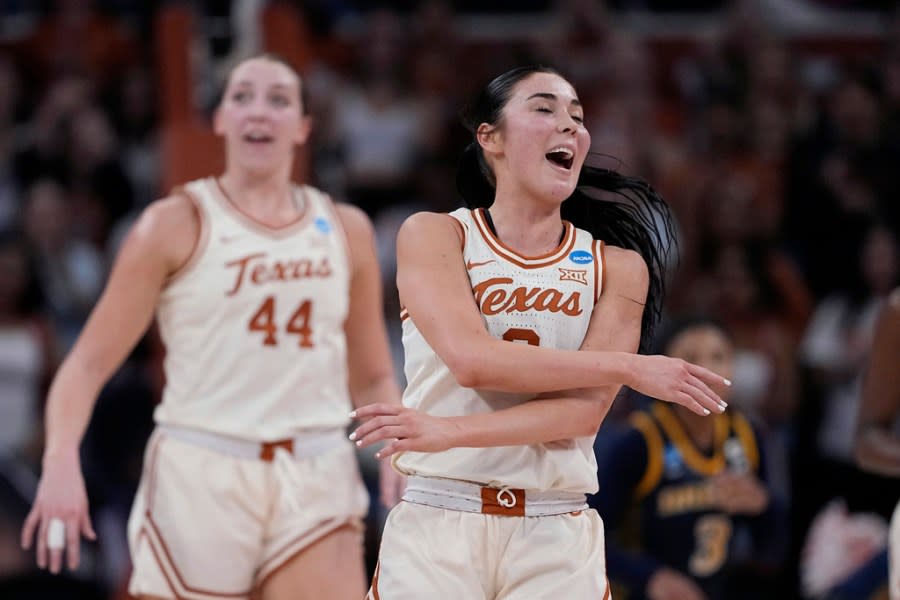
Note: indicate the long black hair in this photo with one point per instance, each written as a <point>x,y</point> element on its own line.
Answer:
<point>620,210</point>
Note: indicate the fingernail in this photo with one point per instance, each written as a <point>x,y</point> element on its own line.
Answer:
<point>353,413</point>
<point>359,442</point>
<point>705,411</point>
<point>726,381</point>
<point>352,436</point>
<point>378,455</point>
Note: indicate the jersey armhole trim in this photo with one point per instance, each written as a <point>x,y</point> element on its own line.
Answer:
<point>331,208</point>
<point>652,438</point>
<point>462,228</point>
<point>598,248</point>
<point>202,240</point>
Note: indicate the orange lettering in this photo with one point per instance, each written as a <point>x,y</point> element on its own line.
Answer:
<point>492,298</point>
<point>262,271</point>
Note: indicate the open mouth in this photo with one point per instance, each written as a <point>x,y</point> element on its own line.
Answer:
<point>258,138</point>
<point>561,157</point>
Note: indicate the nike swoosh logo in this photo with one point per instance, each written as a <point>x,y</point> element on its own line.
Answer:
<point>471,265</point>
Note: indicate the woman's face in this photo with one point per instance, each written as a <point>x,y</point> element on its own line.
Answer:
<point>261,116</point>
<point>540,143</point>
<point>707,346</point>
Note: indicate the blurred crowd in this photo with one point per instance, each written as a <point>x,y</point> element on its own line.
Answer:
<point>778,155</point>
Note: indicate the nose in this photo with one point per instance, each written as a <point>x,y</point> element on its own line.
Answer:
<point>567,124</point>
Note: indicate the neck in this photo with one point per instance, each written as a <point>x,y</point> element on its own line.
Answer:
<point>269,199</point>
<point>530,228</point>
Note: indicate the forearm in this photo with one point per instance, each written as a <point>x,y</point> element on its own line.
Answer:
<point>538,421</point>
<point>878,451</point>
<point>70,403</point>
<point>380,389</point>
<point>501,366</point>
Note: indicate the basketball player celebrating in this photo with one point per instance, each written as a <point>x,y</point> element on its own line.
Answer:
<point>268,299</point>
<point>520,324</point>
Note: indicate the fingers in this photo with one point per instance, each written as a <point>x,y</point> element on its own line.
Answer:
<point>87,528</point>
<point>705,396</point>
<point>687,401</point>
<point>31,522</point>
<point>73,543</point>
<point>393,447</point>
<point>375,410</point>
<point>382,433</point>
<point>708,376</point>
<point>41,550</point>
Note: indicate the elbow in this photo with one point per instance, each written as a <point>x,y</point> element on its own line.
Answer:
<point>466,370</point>
<point>591,418</point>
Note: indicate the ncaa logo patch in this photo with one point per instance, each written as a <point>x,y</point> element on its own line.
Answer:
<point>322,224</point>
<point>581,257</point>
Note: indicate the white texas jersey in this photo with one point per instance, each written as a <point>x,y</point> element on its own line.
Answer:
<point>546,300</point>
<point>254,323</point>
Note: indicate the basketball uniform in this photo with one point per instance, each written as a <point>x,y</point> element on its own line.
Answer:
<point>506,522</point>
<point>249,463</point>
<point>656,471</point>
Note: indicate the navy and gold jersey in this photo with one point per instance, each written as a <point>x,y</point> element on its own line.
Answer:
<point>657,476</point>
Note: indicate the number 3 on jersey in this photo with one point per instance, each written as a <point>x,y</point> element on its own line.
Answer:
<point>264,320</point>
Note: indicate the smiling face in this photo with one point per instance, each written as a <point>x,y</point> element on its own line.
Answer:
<point>538,147</point>
<point>261,116</point>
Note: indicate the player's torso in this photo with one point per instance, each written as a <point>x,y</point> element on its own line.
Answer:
<point>253,325</point>
<point>680,521</point>
<point>546,301</point>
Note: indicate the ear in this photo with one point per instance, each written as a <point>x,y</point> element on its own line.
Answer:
<point>304,128</point>
<point>218,126</point>
<point>489,138</point>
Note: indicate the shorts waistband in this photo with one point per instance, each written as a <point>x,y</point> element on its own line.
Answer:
<point>306,445</point>
<point>471,497</point>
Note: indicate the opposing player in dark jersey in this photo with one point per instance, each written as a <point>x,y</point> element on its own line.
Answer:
<point>695,489</point>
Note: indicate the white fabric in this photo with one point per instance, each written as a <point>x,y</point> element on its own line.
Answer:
<point>254,323</point>
<point>443,554</point>
<point>547,299</point>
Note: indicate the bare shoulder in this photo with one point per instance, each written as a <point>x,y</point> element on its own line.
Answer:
<point>627,270</point>
<point>427,228</point>
<point>168,228</point>
<point>354,220</point>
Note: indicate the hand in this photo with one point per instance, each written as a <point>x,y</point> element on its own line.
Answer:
<point>675,380</point>
<point>739,493</point>
<point>669,584</point>
<point>61,495</point>
<point>391,484</point>
<point>405,428</point>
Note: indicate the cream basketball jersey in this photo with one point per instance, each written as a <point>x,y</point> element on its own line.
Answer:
<point>547,301</point>
<point>254,323</point>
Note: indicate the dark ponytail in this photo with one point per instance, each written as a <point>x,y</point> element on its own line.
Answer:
<point>620,210</point>
<point>627,212</point>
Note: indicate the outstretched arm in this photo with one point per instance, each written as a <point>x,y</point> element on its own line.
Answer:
<point>877,448</point>
<point>159,243</point>
<point>615,326</point>
<point>437,293</point>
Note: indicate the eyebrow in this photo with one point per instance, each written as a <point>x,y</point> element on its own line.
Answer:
<point>248,83</point>
<point>552,97</point>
